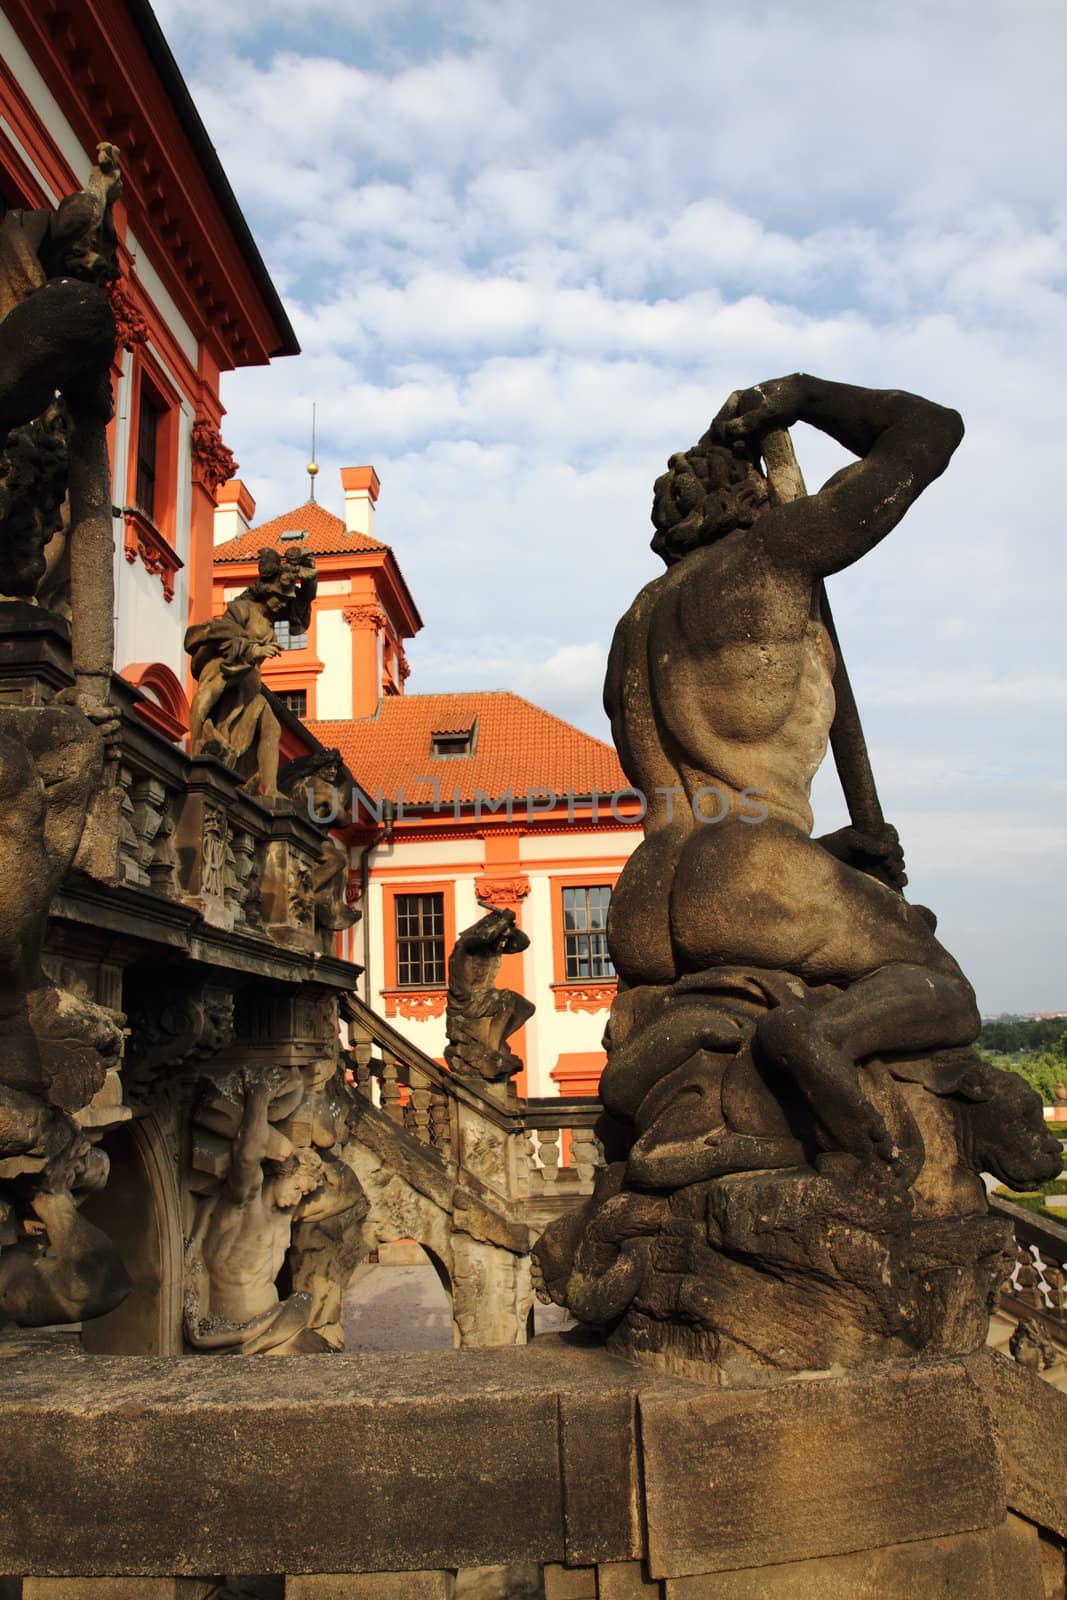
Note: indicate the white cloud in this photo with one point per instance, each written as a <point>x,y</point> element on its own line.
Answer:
<point>529,250</point>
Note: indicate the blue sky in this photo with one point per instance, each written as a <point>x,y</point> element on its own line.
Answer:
<point>529,248</point>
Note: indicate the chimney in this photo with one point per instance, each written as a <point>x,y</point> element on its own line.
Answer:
<point>234,510</point>
<point>361,488</point>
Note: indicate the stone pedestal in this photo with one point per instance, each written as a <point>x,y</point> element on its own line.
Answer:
<point>903,1483</point>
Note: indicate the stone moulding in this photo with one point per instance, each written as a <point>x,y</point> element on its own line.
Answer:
<point>552,1450</point>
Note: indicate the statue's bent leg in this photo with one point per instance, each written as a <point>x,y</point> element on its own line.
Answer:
<point>767,895</point>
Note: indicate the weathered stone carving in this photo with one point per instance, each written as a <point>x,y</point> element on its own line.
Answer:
<point>321,788</point>
<point>798,1126</point>
<point>59,1050</point>
<point>230,716</point>
<point>480,1018</point>
<point>257,1171</point>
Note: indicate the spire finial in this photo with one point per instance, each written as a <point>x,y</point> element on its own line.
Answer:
<point>313,466</point>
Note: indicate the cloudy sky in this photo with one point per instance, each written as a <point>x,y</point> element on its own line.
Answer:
<point>529,246</point>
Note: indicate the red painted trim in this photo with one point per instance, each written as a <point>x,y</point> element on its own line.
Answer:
<point>168,710</point>
<point>583,880</point>
<point>95,63</point>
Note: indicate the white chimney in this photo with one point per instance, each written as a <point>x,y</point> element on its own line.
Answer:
<point>234,510</point>
<point>361,488</point>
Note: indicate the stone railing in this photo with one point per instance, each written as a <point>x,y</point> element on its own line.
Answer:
<point>176,828</point>
<point>1037,1288</point>
<point>537,1156</point>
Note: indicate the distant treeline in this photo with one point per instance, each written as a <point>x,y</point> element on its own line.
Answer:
<point>1011,1037</point>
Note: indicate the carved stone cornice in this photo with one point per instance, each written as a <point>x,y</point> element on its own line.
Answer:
<point>144,540</point>
<point>502,892</point>
<point>213,461</point>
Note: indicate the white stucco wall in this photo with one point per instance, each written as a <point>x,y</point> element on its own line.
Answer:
<point>333,695</point>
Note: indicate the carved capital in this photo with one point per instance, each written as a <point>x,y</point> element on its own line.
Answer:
<point>502,892</point>
<point>366,615</point>
<point>213,461</point>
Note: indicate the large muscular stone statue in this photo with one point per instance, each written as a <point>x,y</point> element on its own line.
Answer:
<point>798,1123</point>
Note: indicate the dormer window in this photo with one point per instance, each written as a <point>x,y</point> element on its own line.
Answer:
<point>453,742</point>
<point>292,534</point>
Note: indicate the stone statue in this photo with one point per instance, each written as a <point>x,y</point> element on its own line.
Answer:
<point>57,341</point>
<point>56,1048</point>
<point>321,787</point>
<point>479,1017</point>
<point>244,1223</point>
<point>230,716</point>
<point>797,1122</point>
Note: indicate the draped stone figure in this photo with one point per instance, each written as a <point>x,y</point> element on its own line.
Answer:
<point>797,1122</point>
<point>230,716</point>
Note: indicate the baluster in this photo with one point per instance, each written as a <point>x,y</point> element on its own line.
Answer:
<point>362,1049</point>
<point>441,1123</point>
<point>419,1108</point>
<point>1056,1284</point>
<point>549,1153</point>
<point>583,1154</point>
<point>391,1104</point>
<point>1027,1282</point>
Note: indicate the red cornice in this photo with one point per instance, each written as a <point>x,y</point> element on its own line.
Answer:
<point>95,62</point>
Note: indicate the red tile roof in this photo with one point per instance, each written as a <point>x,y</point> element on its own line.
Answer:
<point>325,535</point>
<point>517,746</point>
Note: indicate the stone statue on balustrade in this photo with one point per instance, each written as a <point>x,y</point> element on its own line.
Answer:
<point>57,1050</point>
<point>230,716</point>
<point>321,787</point>
<point>480,1018</point>
<point>797,1125</point>
<point>255,1178</point>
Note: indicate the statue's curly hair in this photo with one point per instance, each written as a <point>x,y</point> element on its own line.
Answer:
<point>33,485</point>
<point>696,501</point>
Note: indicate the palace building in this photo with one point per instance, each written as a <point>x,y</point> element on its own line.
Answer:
<point>476,800</point>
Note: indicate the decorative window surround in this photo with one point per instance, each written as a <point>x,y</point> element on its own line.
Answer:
<point>144,539</point>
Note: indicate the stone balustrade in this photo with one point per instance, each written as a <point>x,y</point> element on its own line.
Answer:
<point>1037,1287</point>
<point>180,829</point>
<point>536,1155</point>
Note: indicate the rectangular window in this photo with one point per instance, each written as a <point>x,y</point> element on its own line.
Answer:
<point>585,938</point>
<point>420,939</point>
<point>287,639</point>
<point>296,700</point>
<point>149,415</point>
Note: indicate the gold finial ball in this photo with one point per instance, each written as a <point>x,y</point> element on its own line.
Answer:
<point>313,469</point>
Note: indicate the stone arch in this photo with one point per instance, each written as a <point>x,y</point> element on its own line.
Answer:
<point>140,1209</point>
